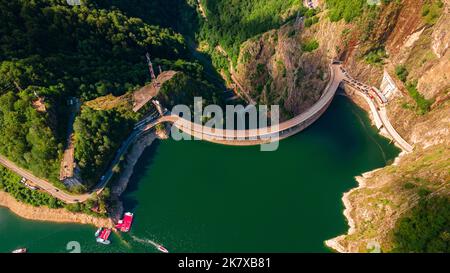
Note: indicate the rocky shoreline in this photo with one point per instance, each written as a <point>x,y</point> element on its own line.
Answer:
<point>336,243</point>
<point>50,215</point>
<point>64,216</point>
<point>132,158</point>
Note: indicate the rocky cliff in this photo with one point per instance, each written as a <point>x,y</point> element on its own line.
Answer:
<point>278,68</point>
<point>407,40</point>
<point>418,45</point>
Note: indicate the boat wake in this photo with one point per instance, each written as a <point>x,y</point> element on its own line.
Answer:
<point>149,242</point>
<point>144,241</point>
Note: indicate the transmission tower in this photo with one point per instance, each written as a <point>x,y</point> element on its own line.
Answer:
<point>150,66</point>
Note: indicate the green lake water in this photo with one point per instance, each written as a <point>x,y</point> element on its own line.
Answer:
<point>193,196</point>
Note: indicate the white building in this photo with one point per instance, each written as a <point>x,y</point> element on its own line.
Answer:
<point>388,87</point>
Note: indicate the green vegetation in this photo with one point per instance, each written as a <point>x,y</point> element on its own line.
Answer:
<point>347,10</point>
<point>432,10</point>
<point>52,51</point>
<point>182,88</point>
<point>26,135</point>
<point>311,21</point>
<point>90,51</point>
<point>230,22</point>
<point>426,228</point>
<point>98,134</point>
<point>281,68</point>
<point>401,72</point>
<point>179,15</point>
<point>422,103</point>
<point>10,183</point>
<point>94,206</point>
<point>309,15</point>
<point>375,56</point>
<point>310,45</point>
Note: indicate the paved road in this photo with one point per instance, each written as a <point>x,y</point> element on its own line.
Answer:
<point>43,184</point>
<point>394,134</point>
<point>230,137</point>
<point>377,108</point>
<point>259,136</point>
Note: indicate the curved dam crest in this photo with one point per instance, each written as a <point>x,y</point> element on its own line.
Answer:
<point>283,201</point>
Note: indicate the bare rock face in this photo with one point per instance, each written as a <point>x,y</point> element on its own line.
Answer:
<point>441,34</point>
<point>437,77</point>
<point>387,194</point>
<point>424,137</point>
<point>275,69</point>
<point>406,24</point>
<point>435,82</point>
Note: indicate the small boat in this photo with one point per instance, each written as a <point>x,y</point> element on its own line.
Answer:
<point>102,238</point>
<point>20,250</point>
<point>97,233</point>
<point>124,225</point>
<point>162,249</point>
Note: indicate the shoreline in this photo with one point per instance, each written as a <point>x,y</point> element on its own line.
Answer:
<point>46,214</point>
<point>335,243</point>
<point>62,215</point>
<point>132,157</point>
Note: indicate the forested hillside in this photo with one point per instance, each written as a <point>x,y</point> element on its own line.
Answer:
<point>180,15</point>
<point>230,23</point>
<point>98,135</point>
<point>51,51</point>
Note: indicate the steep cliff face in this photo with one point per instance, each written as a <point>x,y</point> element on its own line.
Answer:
<point>278,68</point>
<point>418,44</point>
<point>409,41</point>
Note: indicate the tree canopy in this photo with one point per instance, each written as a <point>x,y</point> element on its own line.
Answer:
<point>230,22</point>
<point>426,228</point>
<point>51,51</point>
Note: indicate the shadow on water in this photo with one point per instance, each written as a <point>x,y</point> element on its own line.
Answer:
<point>345,123</point>
<point>144,163</point>
<point>283,201</point>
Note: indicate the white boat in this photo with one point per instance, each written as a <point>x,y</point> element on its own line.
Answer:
<point>103,236</point>
<point>124,225</point>
<point>162,249</point>
<point>103,241</point>
<point>20,250</point>
<point>98,232</point>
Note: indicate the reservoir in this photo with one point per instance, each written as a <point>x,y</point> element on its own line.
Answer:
<point>193,196</point>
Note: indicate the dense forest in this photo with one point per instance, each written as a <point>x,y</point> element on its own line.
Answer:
<point>98,135</point>
<point>426,228</point>
<point>25,134</point>
<point>230,23</point>
<point>179,15</point>
<point>51,51</point>
<point>9,183</point>
<point>170,95</point>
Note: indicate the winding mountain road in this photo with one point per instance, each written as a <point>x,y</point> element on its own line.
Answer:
<point>43,184</point>
<point>228,137</point>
